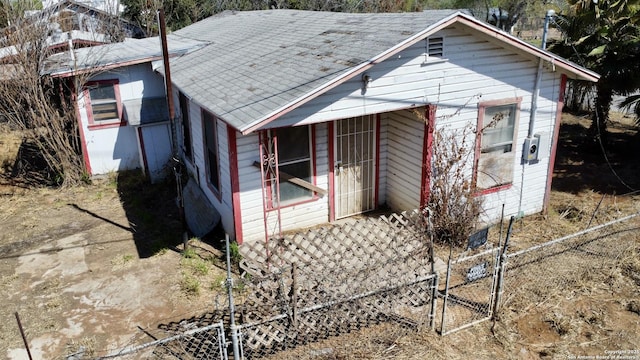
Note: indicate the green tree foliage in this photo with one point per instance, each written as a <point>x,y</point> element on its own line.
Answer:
<point>178,13</point>
<point>604,36</point>
<point>504,14</point>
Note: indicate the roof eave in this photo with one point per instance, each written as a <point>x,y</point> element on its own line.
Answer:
<point>102,67</point>
<point>570,69</point>
<point>567,67</point>
<point>354,71</point>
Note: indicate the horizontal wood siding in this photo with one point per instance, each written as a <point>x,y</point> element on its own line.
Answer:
<point>292,217</point>
<point>383,160</point>
<point>116,148</point>
<point>222,203</point>
<point>405,137</point>
<point>474,69</point>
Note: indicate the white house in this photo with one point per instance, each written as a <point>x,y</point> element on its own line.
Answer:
<point>294,118</point>
<point>122,110</point>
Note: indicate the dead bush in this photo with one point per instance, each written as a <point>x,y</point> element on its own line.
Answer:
<point>454,207</point>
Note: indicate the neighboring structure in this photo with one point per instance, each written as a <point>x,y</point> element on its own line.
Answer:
<point>105,6</point>
<point>80,25</point>
<point>122,108</point>
<point>292,118</point>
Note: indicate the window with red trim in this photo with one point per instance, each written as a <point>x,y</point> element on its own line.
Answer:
<point>497,129</point>
<point>211,149</point>
<point>186,126</point>
<point>295,158</point>
<point>103,103</point>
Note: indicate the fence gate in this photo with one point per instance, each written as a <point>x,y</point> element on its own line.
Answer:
<point>469,290</point>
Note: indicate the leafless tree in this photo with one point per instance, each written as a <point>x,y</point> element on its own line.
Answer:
<point>41,107</point>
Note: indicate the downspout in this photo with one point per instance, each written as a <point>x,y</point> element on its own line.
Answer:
<point>534,102</point>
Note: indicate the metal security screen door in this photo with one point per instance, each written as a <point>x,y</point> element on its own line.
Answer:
<point>355,153</point>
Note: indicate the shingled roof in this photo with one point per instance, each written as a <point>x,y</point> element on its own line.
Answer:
<point>259,64</point>
<point>109,56</point>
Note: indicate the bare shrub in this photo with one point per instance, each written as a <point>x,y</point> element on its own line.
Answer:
<point>40,106</point>
<point>453,203</point>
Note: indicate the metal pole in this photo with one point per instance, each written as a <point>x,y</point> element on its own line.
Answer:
<point>503,263</point>
<point>545,29</point>
<point>434,302</point>
<point>234,329</point>
<point>177,168</point>
<point>446,296</point>
<point>24,338</point>
<point>434,291</point>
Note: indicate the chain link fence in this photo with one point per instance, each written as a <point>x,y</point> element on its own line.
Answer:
<point>188,341</point>
<point>373,278</point>
<point>570,263</point>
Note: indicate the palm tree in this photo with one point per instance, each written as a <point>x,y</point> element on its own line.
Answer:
<point>632,104</point>
<point>604,36</point>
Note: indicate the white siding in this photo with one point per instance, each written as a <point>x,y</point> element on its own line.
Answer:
<point>405,134</point>
<point>292,217</point>
<point>116,148</point>
<point>223,203</point>
<point>473,70</point>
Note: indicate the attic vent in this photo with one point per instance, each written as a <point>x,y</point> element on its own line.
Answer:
<point>435,46</point>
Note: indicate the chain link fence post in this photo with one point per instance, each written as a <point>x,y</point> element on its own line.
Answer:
<point>232,315</point>
<point>501,268</point>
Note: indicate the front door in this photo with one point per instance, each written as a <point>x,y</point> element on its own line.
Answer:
<point>355,154</point>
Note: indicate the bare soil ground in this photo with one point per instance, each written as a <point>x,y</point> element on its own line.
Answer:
<point>92,265</point>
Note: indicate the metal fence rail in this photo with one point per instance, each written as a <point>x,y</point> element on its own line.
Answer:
<point>204,343</point>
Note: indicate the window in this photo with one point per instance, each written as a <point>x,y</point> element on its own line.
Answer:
<point>497,123</point>
<point>103,104</point>
<point>211,150</point>
<point>294,159</point>
<point>186,126</point>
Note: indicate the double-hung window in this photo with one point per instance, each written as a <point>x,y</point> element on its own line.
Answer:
<point>104,106</point>
<point>497,129</point>
<point>211,150</point>
<point>294,160</point>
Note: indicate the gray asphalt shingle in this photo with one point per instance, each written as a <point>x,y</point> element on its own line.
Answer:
<point>257,62</point>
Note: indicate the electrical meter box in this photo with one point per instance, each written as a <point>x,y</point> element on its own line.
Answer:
<point>531,148</point>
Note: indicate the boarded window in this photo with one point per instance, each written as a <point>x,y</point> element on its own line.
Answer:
<point>295,159</point>
<point>186,126</point>
<point>104,102</point>
<point>496,153</point>
<point>211,149</point>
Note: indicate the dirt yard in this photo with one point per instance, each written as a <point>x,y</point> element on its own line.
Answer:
<point>95,265</point>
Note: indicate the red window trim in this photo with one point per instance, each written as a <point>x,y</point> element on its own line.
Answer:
<point>235,182</point>
<point>216,192</point>
<point>427,153</point>
<point>92,125</point>
<point>314,196</point>
<point>481,107</point>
